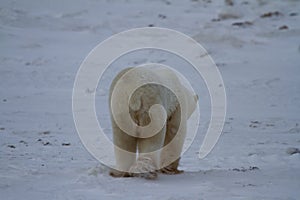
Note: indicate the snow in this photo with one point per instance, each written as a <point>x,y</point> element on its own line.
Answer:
<point>43,44</point>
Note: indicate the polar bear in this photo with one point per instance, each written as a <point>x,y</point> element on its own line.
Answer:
<point>146,156</point>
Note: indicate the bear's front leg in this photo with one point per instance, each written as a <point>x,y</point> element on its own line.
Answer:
<point>171,153</point>
<point>124,143</point>
<point>148,161</point>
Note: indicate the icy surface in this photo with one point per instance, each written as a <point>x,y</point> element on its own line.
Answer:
<point>256,45</point>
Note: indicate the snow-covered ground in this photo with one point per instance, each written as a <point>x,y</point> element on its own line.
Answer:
<point>257,50</point>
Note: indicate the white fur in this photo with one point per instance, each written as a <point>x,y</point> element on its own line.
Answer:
<point>140,102</point>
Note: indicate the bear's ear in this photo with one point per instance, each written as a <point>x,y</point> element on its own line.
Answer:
<point>135,104</point>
